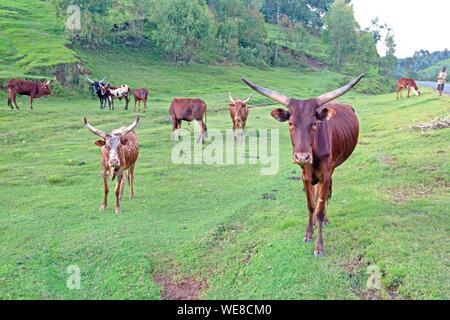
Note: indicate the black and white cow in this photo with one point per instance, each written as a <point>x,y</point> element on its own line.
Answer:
<point>96,89</point>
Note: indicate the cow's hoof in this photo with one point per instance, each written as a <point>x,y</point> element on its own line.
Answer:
<point>318,254</point>
<point>103,208</point>
<point>326,222</point>
<point>117,210</point>
<point>307,238</point>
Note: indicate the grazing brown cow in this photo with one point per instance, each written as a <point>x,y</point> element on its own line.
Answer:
<point>140,95</point>
<point>239,115</point>
<point>405,83</point>
<point>188,110</point>
<point>120,150</point>
<point>34,89</point>
<point>323,136</point>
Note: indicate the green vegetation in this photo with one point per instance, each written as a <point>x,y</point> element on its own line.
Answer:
<point>389,208</point>
<point>31,39</point>
<point>227,225</point>
<point>423,65</point>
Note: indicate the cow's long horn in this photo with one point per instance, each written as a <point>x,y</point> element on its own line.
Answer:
<point>275,96</point>
<point>231,99</point>
<point>102,80</point>
<point>327,97</point>
<point>130,128</point>
<point>94,130</point>
<point>91,81</point>
<point>249,98</point>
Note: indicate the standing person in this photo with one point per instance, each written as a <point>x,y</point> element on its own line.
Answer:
<point>441,78</point>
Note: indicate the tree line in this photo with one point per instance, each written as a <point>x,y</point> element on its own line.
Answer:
<point>210,31</point>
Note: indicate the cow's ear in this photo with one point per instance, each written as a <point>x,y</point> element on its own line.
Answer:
<point>281,115</point>
<point>100,143</point>
<point>325,114</point>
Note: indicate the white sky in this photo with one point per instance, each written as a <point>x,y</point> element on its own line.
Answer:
<point>417,24</point>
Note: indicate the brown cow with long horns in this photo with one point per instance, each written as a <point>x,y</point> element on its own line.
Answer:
<point>239,114</point>
<point>323,134</point>
<point>33,89</point>
<point>120,151</point>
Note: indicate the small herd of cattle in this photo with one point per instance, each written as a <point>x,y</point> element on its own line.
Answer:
<point>323,133</point>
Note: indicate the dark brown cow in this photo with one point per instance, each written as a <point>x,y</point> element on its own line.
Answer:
<point>405,83</point>
<point>140,95</point>
<point>120,151</point>
<point>239,115</point>
<point>188,110</point>
<point>34,89</point>
<point>323,136</point>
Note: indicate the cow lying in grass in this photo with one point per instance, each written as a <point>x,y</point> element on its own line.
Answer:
<point>120,151</point>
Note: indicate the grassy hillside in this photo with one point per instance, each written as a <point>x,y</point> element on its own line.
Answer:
<point>31,39</point>
<point>228,226</point>
<point>431,72</point>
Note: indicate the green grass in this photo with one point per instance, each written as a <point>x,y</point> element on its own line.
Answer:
<point>31,38</point>
<point>390,205</point>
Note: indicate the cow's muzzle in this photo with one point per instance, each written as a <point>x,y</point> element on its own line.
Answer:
<point>114,163</point>
<point>303,158</point>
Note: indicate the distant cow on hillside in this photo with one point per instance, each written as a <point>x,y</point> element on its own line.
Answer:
<point>188,110</point>
<point>33,89</point>
<point>239,114</point>
<point>405,83</point>
<point>120,151</point>
<point>140,95</point>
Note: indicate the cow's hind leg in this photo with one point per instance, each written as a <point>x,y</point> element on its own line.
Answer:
<point>104,206</point>
<point>131,182</point>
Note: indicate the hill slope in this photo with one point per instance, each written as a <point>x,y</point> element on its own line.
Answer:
<point>31,39</point>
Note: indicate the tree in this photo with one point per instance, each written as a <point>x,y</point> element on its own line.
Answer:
<point>341,30</point>
<point>389,61</point>
<point>183,29</point>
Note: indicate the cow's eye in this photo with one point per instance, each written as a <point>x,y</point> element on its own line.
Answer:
<point>314,126</point>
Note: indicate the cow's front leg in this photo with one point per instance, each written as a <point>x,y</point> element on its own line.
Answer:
<point>323,191</point>
<point>118,190</point>
<point>31,103</point>
<point>309,189</point>
<point>104,206</point>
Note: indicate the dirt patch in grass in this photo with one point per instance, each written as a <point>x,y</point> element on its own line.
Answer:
<point>388,160</point>
<point>183,289</point>
<point>405,194</point>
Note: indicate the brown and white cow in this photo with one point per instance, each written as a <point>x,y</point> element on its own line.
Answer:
<point>239,114</point>
<point>111,93</point>
<point>140,95</point>
<point>34,89</point>
<point>323,134</point>
<point>120,151</point>
<point>405,83</point>
<point>188,110</point>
